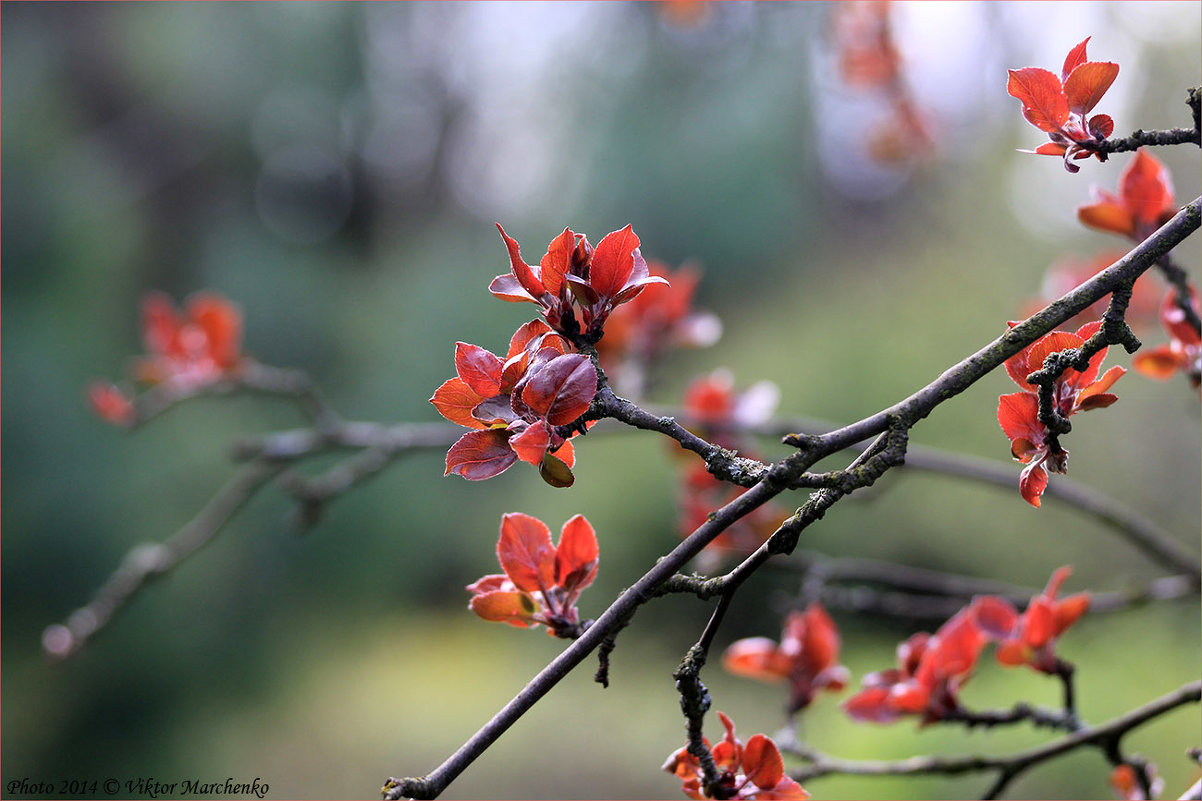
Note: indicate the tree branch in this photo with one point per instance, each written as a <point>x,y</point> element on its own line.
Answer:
<point>1008,767</point>
<point>149,560</point>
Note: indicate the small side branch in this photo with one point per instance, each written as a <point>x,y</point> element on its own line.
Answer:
<point>147,561</point>
<point>1008,768</point>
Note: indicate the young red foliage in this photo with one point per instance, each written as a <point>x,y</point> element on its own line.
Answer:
<point>1030,638</point>
<point>1073,391</point>
<point>516,405</point>
<point>754,770</point>
<point>806,657</point>
<point>199,346</point>
<point>931,670</point>
<point>1144,201</point>
<point>577,286</point>
<point>1059,106</point>
<point>542,581</point>
<point>1182,353</point>
<point>188,349</point>
<point>661,315</point>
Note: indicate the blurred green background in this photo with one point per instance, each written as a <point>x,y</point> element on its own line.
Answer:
<point>336,169</point>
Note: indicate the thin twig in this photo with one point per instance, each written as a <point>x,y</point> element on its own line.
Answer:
<point>148,560</point>
<point>1007,766</point>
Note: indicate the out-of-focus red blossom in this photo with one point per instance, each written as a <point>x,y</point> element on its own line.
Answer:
<point>1144,201</point>
<point>1184,350</point>
<point>198,346</point>
<point>576,285</point>
<point>1073,391</point>
<point>187,349</point>
<point>1068,273</point>
<point>1059,106</point>
<point>716,411</point>
<point>1030,638</point>
<point>1125,781</point>
<point>516,405</point>
<point>931,669</point>
<point>754,770</point>
<point>806,657</point>
<point>712,403</point>
<point>661,315</point>
<point>542,581</point>
<point>111,403</point>
<point>869,60</point>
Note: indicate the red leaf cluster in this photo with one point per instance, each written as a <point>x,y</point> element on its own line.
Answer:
<point>1144,201</point>
<point>714,409</point>
<point>542,581</point>
<point>1030,638</point>
<point>1073,391</point>
<point>806,657</point>
<point>638,332</point>
<point>1182,353</point>
<point>932,668</point>
<point>576,285</point>
<point>516,405</point>
<point>1059,105</point>
<point>754,770</point>
<point>188,349</point>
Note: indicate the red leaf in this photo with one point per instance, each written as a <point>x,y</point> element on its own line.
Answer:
<point>577,555</point>
<point>455,401</point>
<point>1038,623</point>
<point>566,454</point>
<point>762,763</point>
<point>871,705</point>
<point>480,369</point>
<point>531,444</point>
<point>1146,190</point>
<point>756,658</point>
<point>1018,415</point>
<point>490,583</point>
<point>562,389</point>
<point>1107,215</point>
<point>524,335</point>
<point>1066,611</point>
<point>525,276</point>
<point>1032,482</point>
<point>1076,57</point>
<point>613,261</point>
<point>526,553</point>
<point>1101,126</point>
<point>634,287</point>
<point>1087,83</point>
<point>514,608</point>
<point>1161,362</point>
<point>222,324</point>
<point>508,288</point>
<point>995,616</point>
<point>1042,96</point>
<point>1032,358</point>
<point>480,454</point>
<point>820,641</point>
<point>558,260</point>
